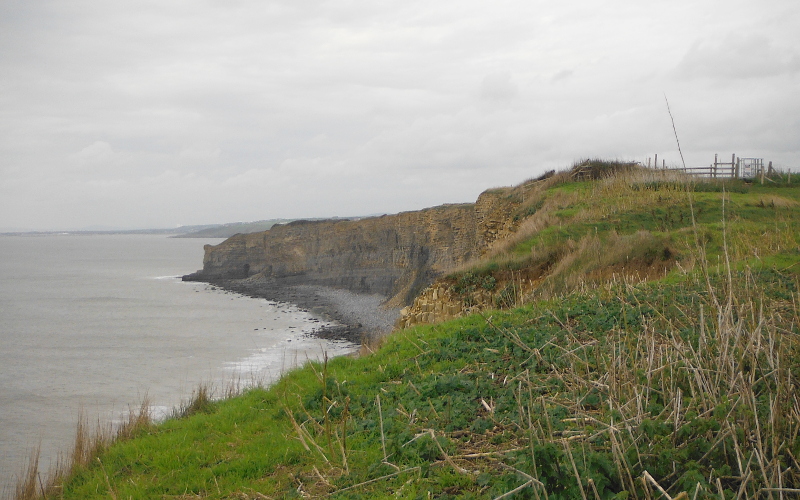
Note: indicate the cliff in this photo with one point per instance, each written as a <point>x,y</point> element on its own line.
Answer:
<point>392,255</point>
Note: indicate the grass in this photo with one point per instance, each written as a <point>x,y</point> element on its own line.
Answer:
<point>646,222</point>
<point>678,385</point>
<point>88,447</point>
<point>615,392</point>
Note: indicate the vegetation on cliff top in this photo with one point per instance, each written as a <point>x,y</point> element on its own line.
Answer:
<point>611,381</point>
<point>601,220</point>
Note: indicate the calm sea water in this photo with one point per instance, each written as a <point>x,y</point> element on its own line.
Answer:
<point>93,324</point>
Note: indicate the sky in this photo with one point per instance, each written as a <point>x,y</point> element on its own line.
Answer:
<point>144,114</point>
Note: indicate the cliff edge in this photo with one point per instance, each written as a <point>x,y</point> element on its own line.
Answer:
<point>393,255</point>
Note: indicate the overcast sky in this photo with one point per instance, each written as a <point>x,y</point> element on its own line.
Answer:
<point>133,114</point>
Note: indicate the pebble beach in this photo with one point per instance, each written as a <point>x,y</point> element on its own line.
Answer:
<point>356,317</point>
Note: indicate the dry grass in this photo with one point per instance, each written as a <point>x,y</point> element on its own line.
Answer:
<point>742,360</point>
<point>90,442</point>
<point>615,192</point>
<point>731,387</point>
<point>724,367</point>
<point>88,445</point>
<point>28,486</point>
<point>663,199</point>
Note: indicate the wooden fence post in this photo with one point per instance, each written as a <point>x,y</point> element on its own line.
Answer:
<point>713,172</point>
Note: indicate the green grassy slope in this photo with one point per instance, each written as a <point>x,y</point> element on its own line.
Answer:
<point>603,387</point>
<point>639,224</point>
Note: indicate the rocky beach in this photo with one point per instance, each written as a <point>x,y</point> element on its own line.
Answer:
<point>357,317</point>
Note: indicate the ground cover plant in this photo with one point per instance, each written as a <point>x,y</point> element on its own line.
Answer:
<point>614,393</point>
<point>630,221</point>
<point>678,385</point>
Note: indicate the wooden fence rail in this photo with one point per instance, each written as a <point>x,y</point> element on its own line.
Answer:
<point>714,171</point>
<point>737,168</point>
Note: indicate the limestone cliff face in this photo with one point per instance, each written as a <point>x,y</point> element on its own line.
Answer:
<point>494,212</point>
<point>393,255</point>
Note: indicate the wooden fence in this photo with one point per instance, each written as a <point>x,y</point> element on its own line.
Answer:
<point>737,168</point>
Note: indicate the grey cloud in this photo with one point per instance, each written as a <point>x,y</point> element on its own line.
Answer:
<point>132,113</point>
<point>564,74</point>
<point>97,154</point>
<point>498,87</point>
<point>738,55</point>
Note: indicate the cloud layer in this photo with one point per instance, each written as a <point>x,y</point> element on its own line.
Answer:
<point>148,114</point>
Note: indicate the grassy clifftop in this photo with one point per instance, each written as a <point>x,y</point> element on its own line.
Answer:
<point>605,220</point>
<point>647,347</point>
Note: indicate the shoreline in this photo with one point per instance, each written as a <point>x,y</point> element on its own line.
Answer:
<point>358,317</point>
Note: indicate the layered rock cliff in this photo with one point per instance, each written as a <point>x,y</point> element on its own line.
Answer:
<point>393,255</point>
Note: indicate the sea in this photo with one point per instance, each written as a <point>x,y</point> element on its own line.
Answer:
<point>91,326</point>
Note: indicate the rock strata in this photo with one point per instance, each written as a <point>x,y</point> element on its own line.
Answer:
<point>435,303</point>
<point>395,256</point>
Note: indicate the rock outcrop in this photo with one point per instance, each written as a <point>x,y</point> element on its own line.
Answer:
<point>393,255</point>
<point>448,298</point>
<point>435,303</point>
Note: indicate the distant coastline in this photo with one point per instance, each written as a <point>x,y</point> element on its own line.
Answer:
<point>165,232</point>
<point>225,230</point>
